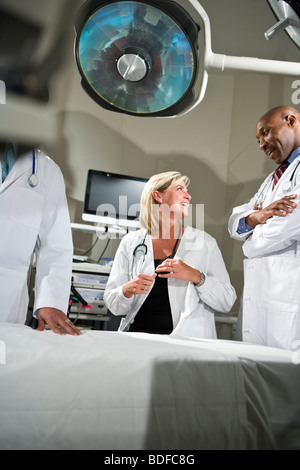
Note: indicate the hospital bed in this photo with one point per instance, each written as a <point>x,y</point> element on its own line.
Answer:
<point>130,391</point>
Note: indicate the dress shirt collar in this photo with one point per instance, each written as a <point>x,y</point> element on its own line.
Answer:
<point>293,155</point>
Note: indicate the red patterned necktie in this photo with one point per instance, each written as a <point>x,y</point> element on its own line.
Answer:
<point>279,172</point>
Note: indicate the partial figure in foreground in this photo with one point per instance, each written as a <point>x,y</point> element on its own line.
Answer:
<point>34,219</point>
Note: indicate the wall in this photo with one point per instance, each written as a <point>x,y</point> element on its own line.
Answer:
<point>93,138</point>
<point>215,144</point>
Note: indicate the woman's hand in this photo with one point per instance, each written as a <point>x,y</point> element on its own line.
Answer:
<point>178,269</point>
<point>139,285</point>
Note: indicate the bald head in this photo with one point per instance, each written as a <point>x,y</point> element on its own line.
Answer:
<point>278,132</point>
<point>281,113</point>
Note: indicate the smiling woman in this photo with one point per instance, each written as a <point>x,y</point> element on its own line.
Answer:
<point>168,278</point>
<point>164,203</point>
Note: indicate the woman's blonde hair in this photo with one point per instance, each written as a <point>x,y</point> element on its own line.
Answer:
<point>149,207</point>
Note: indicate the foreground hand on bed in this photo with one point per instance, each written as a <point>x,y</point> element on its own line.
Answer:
<point>57,321</point>
<point>178,269</point>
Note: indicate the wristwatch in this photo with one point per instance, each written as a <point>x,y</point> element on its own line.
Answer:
<point>202,281</point>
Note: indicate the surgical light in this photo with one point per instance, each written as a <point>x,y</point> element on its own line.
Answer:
<point>153,58</point>
<point>136,57</point>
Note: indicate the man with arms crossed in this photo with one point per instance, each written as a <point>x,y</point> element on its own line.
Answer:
<point>269,226</point>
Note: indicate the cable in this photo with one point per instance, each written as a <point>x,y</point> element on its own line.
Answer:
<point>79,297</point>
<point>104,250</point>
<point>93,246</point>
<point>90,249</point>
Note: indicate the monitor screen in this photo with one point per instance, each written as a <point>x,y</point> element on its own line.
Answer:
<point>113,199</point>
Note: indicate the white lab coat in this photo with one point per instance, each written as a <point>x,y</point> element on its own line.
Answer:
<point>271,297</point>
<point>34,220</point>
<point>192,307</point>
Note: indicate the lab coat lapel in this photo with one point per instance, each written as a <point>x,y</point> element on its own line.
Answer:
<point>22,165</point>
<point>180,294</point>
<point>149,267</point>
<point>272,194</point>
<point>188,241</point>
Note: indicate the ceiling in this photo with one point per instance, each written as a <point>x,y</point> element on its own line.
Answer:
<point>237,28</point>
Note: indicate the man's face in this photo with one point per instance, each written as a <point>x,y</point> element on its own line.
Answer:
<point>276,137</point>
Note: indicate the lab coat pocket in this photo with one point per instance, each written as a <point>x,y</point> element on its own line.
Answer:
<point>26,207</point>
<point>280,280</point>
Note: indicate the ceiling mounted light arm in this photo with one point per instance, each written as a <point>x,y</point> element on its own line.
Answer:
<point>280,26</point>
<point>287,13</point>
<point>223,63</point>
<point>220,62</point>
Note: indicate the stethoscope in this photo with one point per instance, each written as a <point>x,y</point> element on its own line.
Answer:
<point>138,258</point>
<point>286,187</point>
<point>33,179</point>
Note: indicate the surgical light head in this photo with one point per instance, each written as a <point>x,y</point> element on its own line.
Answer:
<point>137,58</point>
<point>153,58</point>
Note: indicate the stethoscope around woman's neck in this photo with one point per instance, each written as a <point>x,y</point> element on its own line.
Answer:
<point>33,179</point>
<point>140,253</point>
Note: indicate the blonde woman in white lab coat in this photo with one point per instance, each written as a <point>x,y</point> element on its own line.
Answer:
<point>34,217</point>
<point>168,278</point>
<point>269,226</point>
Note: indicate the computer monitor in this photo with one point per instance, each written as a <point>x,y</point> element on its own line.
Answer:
<point>113,199</point>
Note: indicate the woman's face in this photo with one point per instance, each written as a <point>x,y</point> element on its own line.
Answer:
<point>176,198</point>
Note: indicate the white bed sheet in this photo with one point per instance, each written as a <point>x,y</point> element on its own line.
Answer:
<point>128,391</point>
